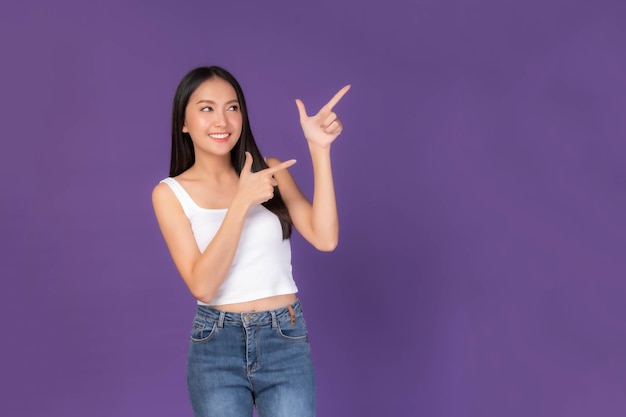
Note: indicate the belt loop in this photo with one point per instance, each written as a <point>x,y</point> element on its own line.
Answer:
<point>292,314</point>
<point>274,321</point>
<point>220,321</point>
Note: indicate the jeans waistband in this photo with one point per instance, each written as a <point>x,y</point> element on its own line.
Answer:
<point>251,317</point>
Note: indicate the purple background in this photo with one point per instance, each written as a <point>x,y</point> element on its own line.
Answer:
<point>481,180</point>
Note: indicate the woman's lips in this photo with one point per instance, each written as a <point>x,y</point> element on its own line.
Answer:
<point>219,137</point>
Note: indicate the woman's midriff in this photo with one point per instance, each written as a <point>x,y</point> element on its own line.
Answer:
<point>262,304</point>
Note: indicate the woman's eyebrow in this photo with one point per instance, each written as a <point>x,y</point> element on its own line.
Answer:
<point>212,102</point>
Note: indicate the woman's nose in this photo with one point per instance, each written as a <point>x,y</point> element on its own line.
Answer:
<point>220,119</point>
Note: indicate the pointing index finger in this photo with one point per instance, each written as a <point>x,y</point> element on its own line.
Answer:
<point>333,101</point>
<point>281,166</point>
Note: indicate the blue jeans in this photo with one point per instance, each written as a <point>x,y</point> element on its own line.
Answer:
<point>240,360</point>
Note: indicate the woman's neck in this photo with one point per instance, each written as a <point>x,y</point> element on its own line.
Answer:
<point>212,168</point>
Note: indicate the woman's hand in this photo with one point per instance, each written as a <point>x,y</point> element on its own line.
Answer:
<point>258,187</point>
<point>324,127</point>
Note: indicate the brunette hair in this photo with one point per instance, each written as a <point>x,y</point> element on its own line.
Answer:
<point>183,156</point>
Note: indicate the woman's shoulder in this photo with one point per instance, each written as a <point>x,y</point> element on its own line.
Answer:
<point>162,191</point>
<point>272,161</point>
<point>285,180</point>
<point>183,180</point>
<point>168,188</point>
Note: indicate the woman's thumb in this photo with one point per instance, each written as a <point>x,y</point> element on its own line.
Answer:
<point>247,165</point>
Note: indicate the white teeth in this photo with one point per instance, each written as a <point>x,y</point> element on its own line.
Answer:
<point>219,136</point>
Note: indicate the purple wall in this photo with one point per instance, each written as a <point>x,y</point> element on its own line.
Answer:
<point>481,179</point>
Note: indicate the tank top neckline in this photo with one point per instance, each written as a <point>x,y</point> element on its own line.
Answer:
<point>192,200</point>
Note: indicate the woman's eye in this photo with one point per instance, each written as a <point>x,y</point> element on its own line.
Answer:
<point>207,108</point>
<point>233,108</point>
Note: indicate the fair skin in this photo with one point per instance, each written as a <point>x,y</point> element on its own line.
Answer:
<point>214,122</point>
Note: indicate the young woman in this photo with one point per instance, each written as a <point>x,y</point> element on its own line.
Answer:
<point>226,214</point>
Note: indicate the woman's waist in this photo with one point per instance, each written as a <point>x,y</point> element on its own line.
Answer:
<point>260,311</point>
<point>260,305</point>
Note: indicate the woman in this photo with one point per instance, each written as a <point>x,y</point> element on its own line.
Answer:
<point>226,215</point>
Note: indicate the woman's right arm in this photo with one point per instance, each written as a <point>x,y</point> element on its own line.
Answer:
<point>204,272</point>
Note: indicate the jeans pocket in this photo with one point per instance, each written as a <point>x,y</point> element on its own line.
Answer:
<point>289,331</point>
<point>203,330</point>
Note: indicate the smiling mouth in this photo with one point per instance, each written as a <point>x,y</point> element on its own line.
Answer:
<point>219,136</point>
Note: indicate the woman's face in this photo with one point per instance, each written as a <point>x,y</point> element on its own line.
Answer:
<point>213,118</point>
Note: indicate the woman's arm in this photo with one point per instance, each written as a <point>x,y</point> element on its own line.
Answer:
<point>204,272</point>
<point>317,222</point>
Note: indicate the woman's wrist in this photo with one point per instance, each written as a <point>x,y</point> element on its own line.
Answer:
<point>240,204</point>
<point>322,150</point>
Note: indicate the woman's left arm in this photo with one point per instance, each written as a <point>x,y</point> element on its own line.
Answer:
<point>318,221</point>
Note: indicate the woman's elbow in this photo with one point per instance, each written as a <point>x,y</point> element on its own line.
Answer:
<point>201,293</point>
<point>202,296</point>
<point>326,246</point>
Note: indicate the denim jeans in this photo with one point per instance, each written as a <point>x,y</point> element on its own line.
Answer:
<point>240,360</point>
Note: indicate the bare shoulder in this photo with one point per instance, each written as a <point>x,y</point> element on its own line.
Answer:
<point>283,176</point>
<point>164,200</point>
<point>272,162</point>
<point>161,193</point>
<point>289,190</point>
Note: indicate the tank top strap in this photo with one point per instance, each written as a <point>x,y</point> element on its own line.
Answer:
<point>181,194</point>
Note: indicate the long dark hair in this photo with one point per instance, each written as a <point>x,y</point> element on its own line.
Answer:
<point>183,156</point>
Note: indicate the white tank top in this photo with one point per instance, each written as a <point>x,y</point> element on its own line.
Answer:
<point>262,265</point>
